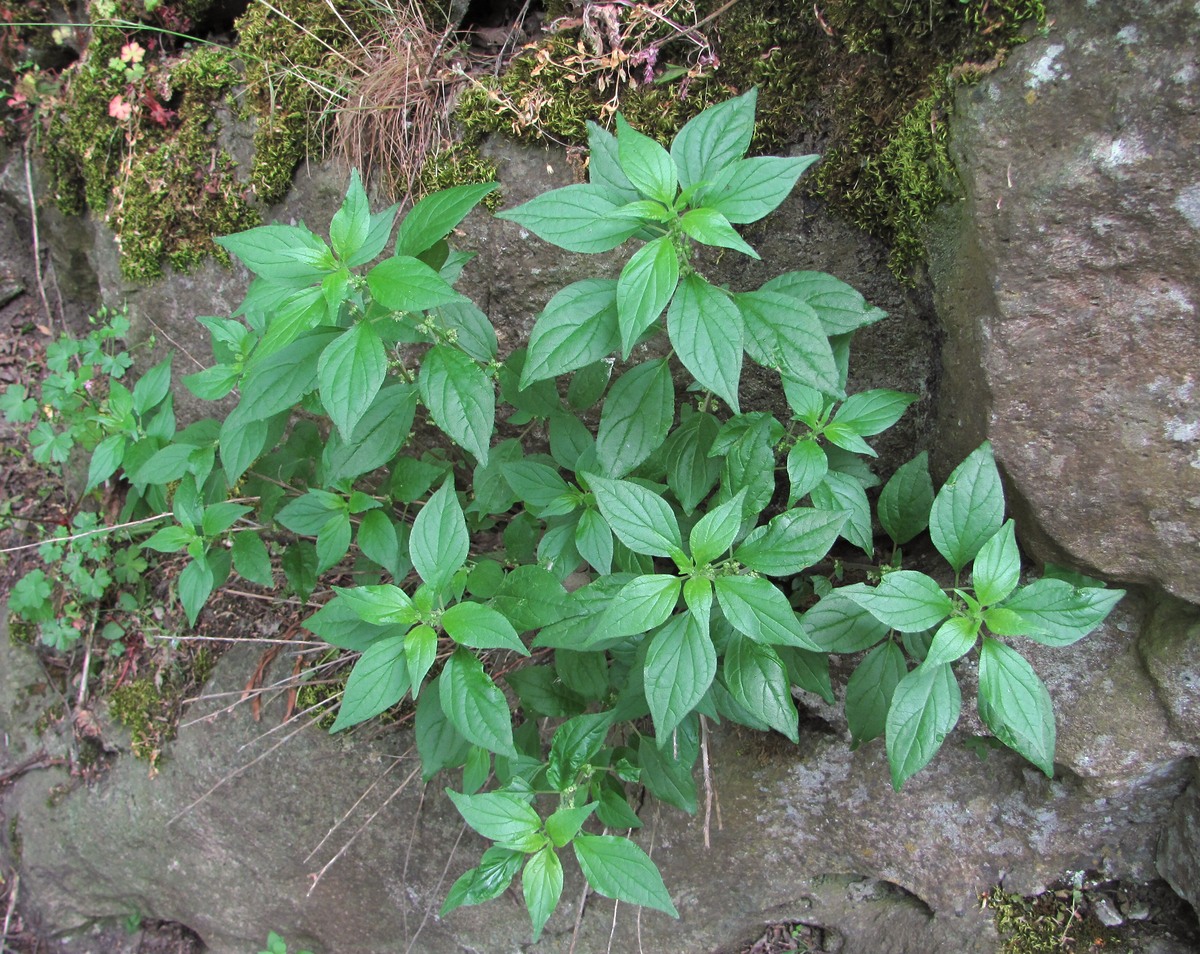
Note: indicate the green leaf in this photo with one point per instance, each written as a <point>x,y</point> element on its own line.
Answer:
<point>333,540</point>
<point>594,541</point>
<point>250,558</point>
<point>953,640</point>
<point>575,217</point>
<point>1057,613</point>
<point>219,517</point>
<point>839,307</point>
<point>839,625</point>
<point>502,817</point>
<point>604,164</point>
<point>667,773</point>
<point>382,604</point>
<point>480,627</point>
<point>691,473</point>
<point>642,603</point>
<point>636,417</point>
<point>377,237</point>
<point>969,508</point>
<point>537,485</point>
<point>576,742</point>
<point>647,283</point>
<point>869,692</point>
<point>905,500</point>
<point>350,373</point>
<point>307,514</point>
<point>577,327</point>
<point>925,707</point>
<point>871,412</point>
<point>542,884</point>
<point>213,383</point>
<point>715,532</point>
<point>474,704</point>
<point>300,568</point>
<point>714,140</point>
<point>758,680</point>
<point>439,542</point>
<point>152,387</point>
<point>618,869</point>
<point>752,188</point>
<point>286,255</point>
<point>706,331</point>
<point>543,693</point>
<point>489,880</point>
<point>680,666</point>
<point>588,385</point>
<point>997,567</point>
<point>646,164</point>
<point>460,397</point>
<point>435,216</point>
<point>351,223</point>
<point>757,608</point>
<point>402,283</point>
<point>439,743</point>
<point>807,466</point>
<point>786,336</point>
<point>808,670</point>
<point>906,600</point>
<point>241,442</point>
<point>1014,704</point>
<point>377,682</point>
<point>473,329</point>
<point>380,542</point>
<point>841,493</point>
<point>274,385</point>
<point>565,823</point>
<point>531,597</point>
<point>196,583</point>
<point>106,458</point>
<point>640,518</point>
<point>791,542</point>
<point>710,227</point>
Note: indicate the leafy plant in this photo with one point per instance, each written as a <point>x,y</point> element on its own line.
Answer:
<point>277,945</point>
<point>668,511</point>
<point>82,407</point>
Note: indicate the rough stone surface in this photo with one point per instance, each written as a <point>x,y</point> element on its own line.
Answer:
<point>1179,850</point>
<point>227,837</point>
<point>1067,284</point>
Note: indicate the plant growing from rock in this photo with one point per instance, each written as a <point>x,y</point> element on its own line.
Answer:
<point>624,581</point>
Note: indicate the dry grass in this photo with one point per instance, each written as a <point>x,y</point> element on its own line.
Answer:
<point>398,111</point>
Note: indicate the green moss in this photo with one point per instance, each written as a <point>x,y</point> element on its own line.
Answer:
<point>460,164</point>
<point>164,188</point>
<point>143,710</point>
<point>293,75</point>
<point>16,845</point>
<point>1046,924</point>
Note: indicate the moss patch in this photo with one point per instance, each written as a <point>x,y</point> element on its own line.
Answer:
<point>146,712</point>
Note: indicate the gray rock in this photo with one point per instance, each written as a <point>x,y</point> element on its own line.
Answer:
<point>1067,286</point>
<point>229,836</point>
<point>1179,850</point>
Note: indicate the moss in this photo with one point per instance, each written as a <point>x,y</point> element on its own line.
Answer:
<point>164,187</point>
<point>1046,924</point>
<point>143,710</point>
<point>460,164</point>
<point>295,65</point>
<point>16,845</point>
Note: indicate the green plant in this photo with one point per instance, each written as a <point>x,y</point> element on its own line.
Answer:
<point>667,512</point>
<point>277,945</point>
<point>83,407</point>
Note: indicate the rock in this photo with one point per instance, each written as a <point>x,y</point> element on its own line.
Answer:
<point>228,837</point>
<point>1066,283</point>
<point>1179,850</point>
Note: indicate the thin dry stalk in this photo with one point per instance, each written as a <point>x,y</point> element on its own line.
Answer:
<point>8,914</point>
<point>361,828</point>
<point>438,888</point>
<point>350,811</point>
<point>398,112</point>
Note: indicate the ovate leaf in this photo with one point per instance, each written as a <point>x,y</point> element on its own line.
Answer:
<point>1014,704</point>
<point>969,508</point>
<point>925,707</point>
<point>619,869</point>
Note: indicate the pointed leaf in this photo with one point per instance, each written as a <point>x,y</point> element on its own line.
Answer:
<point>619,869</point>
<point>925,707</point>
<point>1014,704</point>
<point>969,508</point>
<point>377,682</point>
<point>439,542</point>
<point>680,665</point>
<point>637,415</point>
<point>706,330</point>
<point>474,704</point>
